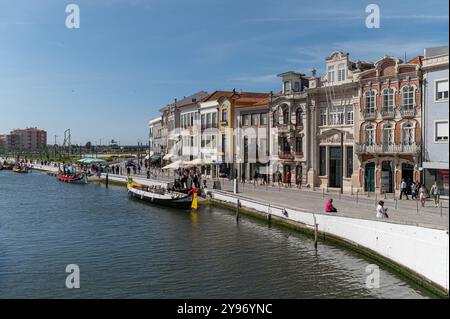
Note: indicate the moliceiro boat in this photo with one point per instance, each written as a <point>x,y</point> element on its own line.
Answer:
<point>20,169</point>
<point>159,196</point>
<point>73,179</point>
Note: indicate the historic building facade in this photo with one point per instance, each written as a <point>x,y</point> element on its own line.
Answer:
<point>389,128</point>
<point>333,104</point>
<point>288,113</point>
<point>435,118</point>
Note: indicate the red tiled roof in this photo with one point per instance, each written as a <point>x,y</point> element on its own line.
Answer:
<point>416,60</point>
<point>241,98</point>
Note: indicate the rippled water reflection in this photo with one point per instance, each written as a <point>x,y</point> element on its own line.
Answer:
<point>129,249</point>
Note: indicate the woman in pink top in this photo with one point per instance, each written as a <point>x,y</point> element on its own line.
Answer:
<point>329,208</point>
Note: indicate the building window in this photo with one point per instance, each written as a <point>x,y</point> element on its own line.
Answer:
<point>225,116</point>
<point>297,86</point>
<point>208,120</point>
<point>299,145</point>
<point>341,72</point>
<point>369,102</point>
<point>370,135</point>
<point>388,100</point>
<point>337,115</point>
<point>245,120</point>
<point>330,74</point>
<point>323,116</point>
<point>214,120</point>
<point>203,120</point>
<point>441,90</point>
<point>349,171</point>
<point>323,160</point>
<point>408,134</point>
<point>299,117</point>
<point>287,86</point>
<point>408,97</point>
<point>224,145</point>
<point>263,119</point>
<point>275,118</point>
<point>254,119</point>
<point>441,131</point>
<point>350,119</point>
<point>286,116</point>
<point>388,135</point>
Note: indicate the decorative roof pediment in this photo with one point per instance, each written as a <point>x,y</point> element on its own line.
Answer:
<point>337,55</point>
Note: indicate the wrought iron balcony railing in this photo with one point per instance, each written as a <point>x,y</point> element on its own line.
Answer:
<point>408,112</point>
<point>384,148</point>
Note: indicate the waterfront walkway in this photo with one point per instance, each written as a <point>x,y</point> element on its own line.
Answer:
<point>361,206</point>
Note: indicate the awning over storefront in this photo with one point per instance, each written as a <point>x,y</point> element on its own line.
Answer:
<point>156,157</point>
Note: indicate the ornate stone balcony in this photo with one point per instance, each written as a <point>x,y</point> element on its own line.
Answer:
<point>369,114</point>
<point>408,112</point>
<point>387,149</point>
<point>284,128</point>
<point>387,113</point>
<point>285,155</point>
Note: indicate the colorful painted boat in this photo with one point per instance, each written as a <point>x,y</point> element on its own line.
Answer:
<point>21,170</point>
<point>160,197</point>
<point>72,179</point>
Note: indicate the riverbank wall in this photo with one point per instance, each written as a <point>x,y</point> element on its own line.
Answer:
<point>419,254</point>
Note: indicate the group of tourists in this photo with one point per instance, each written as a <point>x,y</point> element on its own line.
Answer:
<point>419,192</point>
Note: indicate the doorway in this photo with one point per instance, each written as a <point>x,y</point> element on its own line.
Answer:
<point>369,177</point>
<point>408,173</point>
<point>387,177</point>
<point>335,173</point>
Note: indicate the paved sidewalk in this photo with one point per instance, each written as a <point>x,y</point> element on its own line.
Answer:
<point>356,206</point>
<point>407,211</point>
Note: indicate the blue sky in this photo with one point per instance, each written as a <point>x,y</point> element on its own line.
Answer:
<point>130,57</point>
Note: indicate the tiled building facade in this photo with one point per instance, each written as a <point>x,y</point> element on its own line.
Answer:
<point>389,128</point>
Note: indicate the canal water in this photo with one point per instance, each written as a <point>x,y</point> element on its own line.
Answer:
<point>128,249</point>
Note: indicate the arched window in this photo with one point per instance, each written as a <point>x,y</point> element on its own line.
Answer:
<point>298,145</point>
<point>388,135</point>
<point>408,97</point>
<point>286,116</point>
<point>370,135</point>
<point>299,117</point>
<point>369,102</point>
<point>275,118</point>
<point>388,100</point>
<point>408,134</point>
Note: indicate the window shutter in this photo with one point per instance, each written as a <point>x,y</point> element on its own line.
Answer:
<point>441,129</point>
<point>442,86</point>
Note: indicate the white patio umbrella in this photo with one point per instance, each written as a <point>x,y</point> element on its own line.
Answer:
<point>175,165</point>
<point>197,162</point>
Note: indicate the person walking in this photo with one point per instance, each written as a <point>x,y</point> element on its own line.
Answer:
<point>381,211</point>
<point>288,179</point>
<point>422,195</point>
<point>403,189</point>
<point>255,178</point>
<point>413,190</point>
<point>436,193</point>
